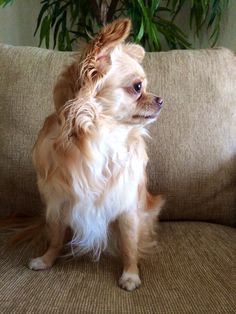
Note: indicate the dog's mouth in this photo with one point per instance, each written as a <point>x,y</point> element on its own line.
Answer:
<point>147,117</point>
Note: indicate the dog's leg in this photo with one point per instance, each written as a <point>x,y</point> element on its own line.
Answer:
<point>128,227</point>
<point>57,233</point>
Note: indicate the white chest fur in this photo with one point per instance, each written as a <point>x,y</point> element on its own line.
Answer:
<point>106,187</point>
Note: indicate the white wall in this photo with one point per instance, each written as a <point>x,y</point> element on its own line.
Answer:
<point>18,21</point>
<point>228,34</point>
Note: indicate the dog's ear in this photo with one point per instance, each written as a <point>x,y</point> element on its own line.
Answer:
<point>78,114</point>
<point>135,51</point>
<point>96,59</point>
<point>78,120</point>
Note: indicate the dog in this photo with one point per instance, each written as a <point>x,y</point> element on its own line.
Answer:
<point>90,156</point>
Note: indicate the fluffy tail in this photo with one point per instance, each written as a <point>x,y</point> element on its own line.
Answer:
<point>154,203</point>
<point>24,230</point>
<point>147,233</point>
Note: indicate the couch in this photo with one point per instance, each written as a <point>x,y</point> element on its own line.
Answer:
<point>192,161</point>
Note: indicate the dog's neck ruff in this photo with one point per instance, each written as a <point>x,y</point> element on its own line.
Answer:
<point>105,185</point>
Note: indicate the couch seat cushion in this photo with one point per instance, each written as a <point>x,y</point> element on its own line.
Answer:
<point>190,272</point>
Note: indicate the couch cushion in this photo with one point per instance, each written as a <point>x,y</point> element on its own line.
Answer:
<point>192,152</point>
<point>26,83</point>
<point>190,272</point>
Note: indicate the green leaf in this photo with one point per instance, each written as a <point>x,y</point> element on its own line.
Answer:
<point>68,42</point>
<point>6,2</point>
<point>155,37</point>
<point>154,6</point>
<point>61,45</point>
<point>56,12</point>
<point>45,31</point>
<point>163,9</point>
<point>56,29</point>
<point>144,10</point>
<point>176,7</point>
<point>140,33</point>
<point>41,13</point>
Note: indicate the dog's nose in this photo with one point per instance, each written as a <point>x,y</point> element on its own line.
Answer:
<point>159,102</point>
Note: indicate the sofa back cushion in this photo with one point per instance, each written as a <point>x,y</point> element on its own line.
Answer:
<point>192,150</point>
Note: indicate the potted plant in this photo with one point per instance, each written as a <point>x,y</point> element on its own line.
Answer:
<point>153,20</point>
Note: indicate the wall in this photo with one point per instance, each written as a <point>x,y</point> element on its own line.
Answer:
<point>18,23</point>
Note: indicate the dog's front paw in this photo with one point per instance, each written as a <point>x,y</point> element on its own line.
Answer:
<point>129,281</point>
<point>38,264</point>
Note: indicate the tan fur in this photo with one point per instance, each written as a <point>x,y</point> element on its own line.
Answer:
<point>91,158</point>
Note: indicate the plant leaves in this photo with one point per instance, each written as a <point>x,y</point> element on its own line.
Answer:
<point>41,13</point>
<point>6,2</point>
<point>56,29</point>
<point>71,19</point>
<point>140,33</point>
<point>154,6</point>
<point>45,31</point>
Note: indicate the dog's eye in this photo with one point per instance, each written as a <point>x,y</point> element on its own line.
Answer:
<point>137,87</point>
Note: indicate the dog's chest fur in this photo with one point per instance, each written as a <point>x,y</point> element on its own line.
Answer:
<point>106,186</point>
<point>93,191</point>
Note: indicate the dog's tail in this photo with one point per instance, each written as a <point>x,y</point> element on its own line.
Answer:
<point>24,230</point>
<point>148,228</point>
<point>154,203</point>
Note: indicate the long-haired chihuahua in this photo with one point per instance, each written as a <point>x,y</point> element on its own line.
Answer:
<point>91,159</point>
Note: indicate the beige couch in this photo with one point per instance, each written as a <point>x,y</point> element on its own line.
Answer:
<point>192,161</point>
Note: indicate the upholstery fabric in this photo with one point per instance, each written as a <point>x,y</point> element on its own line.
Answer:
<point>190,272</point>
<point>192,151</point>
<point>192,161</point>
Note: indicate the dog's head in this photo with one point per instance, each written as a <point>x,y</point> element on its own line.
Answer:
<point>122,93</point>
<point>112,82</point>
